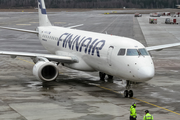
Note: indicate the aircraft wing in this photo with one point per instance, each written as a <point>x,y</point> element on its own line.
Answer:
<point>57,58</point>
<point>21,30</point>
<point>160,47</point>
<point>34,32</point>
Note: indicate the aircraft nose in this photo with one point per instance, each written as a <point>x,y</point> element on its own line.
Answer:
<point>146,73</point>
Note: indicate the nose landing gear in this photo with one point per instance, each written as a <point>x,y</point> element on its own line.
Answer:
<point>128,92</point>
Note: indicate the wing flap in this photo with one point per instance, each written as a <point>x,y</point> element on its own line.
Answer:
<point>21,30</point>
<point>160,47</point>
<point>57,58</point>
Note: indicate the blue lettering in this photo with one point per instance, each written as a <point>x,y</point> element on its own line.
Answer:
<point>90,47</point>
<point>60,38</point>
<point>68,39</point>
<point>77,43</point>
<point>98,48</point>
<point>85,45</point>
<point>71,41</point>
<point>65,40</point>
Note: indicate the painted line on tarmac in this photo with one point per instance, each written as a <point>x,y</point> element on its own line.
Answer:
<point>139,100</point>
<point>156,106</point>
<point>24,24</point>
<point>33,22</point>
<point>119,93</point>
<point>25,61</point>
<point>59,22</point>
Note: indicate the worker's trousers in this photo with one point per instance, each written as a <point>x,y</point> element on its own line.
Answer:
<point>131,118</point>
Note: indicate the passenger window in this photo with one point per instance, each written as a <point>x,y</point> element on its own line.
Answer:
<point>122,52</point>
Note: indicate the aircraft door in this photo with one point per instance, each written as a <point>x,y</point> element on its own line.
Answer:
<point>109,54</point>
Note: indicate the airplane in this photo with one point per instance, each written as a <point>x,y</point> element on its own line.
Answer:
<point>178,6</point>
<point>110,55</point>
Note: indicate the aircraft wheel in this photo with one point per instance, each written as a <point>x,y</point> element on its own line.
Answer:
<point>126,93</point>
<point>110,79</point>
<point>130,93</point>
<point>102,76</point>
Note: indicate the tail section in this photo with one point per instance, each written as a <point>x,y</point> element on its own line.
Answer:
<point>43,18</point>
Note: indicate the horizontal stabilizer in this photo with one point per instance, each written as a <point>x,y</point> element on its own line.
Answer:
<point>22,30</point>
<point>75,26</point>
<point>160,47</point>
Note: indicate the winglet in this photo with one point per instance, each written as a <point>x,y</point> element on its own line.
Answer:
<point>160,47</point>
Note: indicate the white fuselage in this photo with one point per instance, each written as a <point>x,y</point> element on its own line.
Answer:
<point>98,52</point>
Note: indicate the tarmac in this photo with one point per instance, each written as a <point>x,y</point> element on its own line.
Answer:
<point>77,95</point>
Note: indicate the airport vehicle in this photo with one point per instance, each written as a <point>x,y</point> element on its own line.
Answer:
<point>178,6</point>
<point>155,14</point>
<point>137,15</point>
<point>171,21</point>
<point>111,55</point>
<point>152,21</point>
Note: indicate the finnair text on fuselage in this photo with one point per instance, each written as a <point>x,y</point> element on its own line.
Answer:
<point>78,42</point>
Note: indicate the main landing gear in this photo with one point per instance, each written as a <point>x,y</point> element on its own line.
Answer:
<point>103,75</point>
<point>128,92</point>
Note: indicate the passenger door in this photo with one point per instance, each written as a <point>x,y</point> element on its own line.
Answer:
<point>109,54</point>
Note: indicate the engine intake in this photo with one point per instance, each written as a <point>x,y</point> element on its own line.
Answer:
<point>45,71</point>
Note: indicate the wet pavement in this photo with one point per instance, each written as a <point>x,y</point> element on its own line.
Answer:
<point>80,95</point>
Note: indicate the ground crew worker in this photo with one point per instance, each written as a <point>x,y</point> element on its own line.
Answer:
<point>152,20</point>
<point>133,114</point>
<point>147,116</point>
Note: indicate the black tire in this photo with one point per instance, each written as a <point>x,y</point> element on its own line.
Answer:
<point>126,93</point>
<point>110,77</point>
<point>130,93</point>
<point>102,76</point>
<point>110,81</point>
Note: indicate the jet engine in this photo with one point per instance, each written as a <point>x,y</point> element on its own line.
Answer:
<point>45,71</point>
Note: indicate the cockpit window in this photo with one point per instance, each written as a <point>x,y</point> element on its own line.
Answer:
<point>132,52</point>
<point>122,52</point>
<point>143,52</point>
<point>137,52</point>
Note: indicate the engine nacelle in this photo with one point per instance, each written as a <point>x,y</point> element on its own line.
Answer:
<point>45,71</point>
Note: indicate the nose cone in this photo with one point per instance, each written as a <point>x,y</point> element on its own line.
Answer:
<point>146,73</point>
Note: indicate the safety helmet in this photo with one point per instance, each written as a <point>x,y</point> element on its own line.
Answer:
<point>134,104</point>
<point>146,111</point>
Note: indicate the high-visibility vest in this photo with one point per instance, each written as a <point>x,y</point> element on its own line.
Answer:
<point>148,117</point>
<point>133,112</point>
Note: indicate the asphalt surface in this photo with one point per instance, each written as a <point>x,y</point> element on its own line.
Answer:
<point>80,95</point>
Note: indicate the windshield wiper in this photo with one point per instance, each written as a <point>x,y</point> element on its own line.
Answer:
<point>139,53</point>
